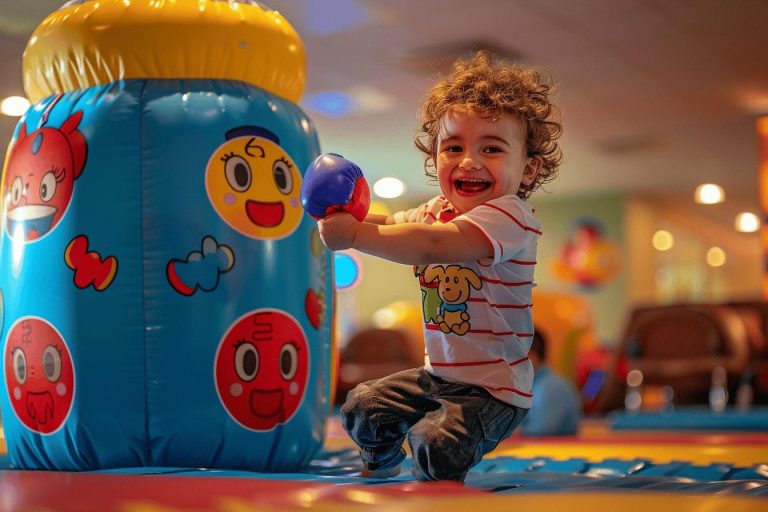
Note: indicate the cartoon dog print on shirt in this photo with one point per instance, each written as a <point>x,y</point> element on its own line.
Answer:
<point>454,286</point>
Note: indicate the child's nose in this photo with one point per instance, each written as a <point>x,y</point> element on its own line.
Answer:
<point>470,163</point>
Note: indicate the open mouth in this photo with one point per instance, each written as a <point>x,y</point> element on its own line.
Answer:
<point>472,186</point>
<point>40,407</point>
<point>266,215</point>
<point>266,403</point>
<point>452,298</point>
<point>32,220</point>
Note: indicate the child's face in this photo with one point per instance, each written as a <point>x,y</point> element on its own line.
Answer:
<point>479,159</point>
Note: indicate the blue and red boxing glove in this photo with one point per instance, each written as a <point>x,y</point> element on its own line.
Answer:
<point>334,184</point>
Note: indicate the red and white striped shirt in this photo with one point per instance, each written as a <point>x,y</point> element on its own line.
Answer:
<point>490,331</point>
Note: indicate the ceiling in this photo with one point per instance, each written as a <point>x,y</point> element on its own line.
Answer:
<point>657,95</point>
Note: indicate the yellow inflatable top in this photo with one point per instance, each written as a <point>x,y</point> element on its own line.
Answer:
<point>90,42</point>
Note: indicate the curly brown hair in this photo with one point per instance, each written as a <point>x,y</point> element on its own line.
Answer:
<point>491,89</point>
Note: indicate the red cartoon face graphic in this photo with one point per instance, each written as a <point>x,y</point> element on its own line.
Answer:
<point>39,375</point>
<point>261,369</point>
<point>40,176</point>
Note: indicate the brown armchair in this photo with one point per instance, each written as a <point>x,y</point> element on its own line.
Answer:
<point>678,345</point>
<point>374,353</point>
<point>754,314</point>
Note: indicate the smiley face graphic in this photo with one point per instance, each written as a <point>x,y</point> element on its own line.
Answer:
<point>261,369</point>
<point>253,184</point>
<point>39,375</point>
<point>40,177</point>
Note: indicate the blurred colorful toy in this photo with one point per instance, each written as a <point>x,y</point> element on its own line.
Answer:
<point>573,351</point>
<point>587,258</point>
<point>567,322</point>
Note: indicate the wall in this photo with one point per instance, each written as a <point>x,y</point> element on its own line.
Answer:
<point>557,216</point>
<point>382,283</point>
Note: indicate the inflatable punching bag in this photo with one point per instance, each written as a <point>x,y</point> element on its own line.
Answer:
<point>165,302</point>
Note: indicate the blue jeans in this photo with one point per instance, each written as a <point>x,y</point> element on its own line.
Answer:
<point>450,426</point>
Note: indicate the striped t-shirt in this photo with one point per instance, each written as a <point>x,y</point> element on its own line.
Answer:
<point>478,322</point>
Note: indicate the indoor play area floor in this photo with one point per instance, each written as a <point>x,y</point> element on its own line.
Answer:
<point>610,465</point>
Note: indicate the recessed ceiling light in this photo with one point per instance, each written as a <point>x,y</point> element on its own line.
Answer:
<point>389,188</point>
<point>371,99</point>
<point>709,193</point>
<point>329,103</point>
<point>14,106</point>
<point>747,222</point>
<point>326,17</point>
<point>360,99</point>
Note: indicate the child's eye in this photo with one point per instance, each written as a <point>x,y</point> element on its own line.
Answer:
<point>452,149</point>
<point>493,149</point>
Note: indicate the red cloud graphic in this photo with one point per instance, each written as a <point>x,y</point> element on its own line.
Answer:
<point>90,269</point>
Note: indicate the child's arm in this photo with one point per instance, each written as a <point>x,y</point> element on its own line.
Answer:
<point>413,243</point>
<point>377,218</point>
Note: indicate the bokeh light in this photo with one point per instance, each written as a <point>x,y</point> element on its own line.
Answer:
<point>662,240</point>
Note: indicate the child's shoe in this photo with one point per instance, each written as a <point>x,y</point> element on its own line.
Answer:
<point>381,473</point>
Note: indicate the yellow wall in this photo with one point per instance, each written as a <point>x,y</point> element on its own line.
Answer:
<point>382,283</point>
<point>681,273</point>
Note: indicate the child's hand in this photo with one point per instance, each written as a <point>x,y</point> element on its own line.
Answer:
<point>338,230</point>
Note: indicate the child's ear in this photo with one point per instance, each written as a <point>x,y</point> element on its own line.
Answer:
<point>532,169</point>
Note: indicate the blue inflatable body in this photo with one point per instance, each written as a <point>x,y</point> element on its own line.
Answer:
<point>166,303</point>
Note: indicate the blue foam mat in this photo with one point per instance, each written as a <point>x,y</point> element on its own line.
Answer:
<point>692,418</point>
<point>515,474</point>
